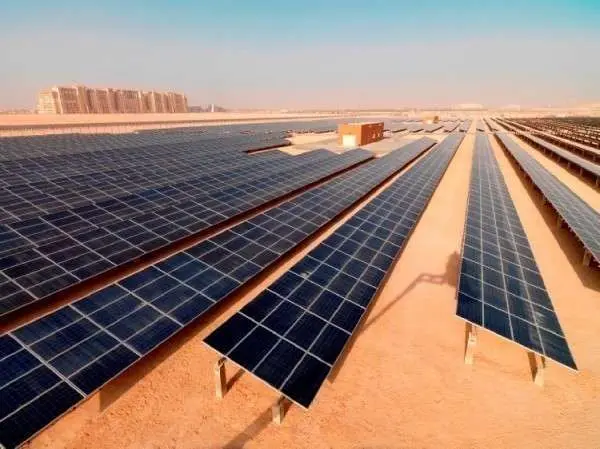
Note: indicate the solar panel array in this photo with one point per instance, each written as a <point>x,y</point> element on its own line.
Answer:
<point>464,126</point>
<point>577,214</point>
<point>432,127</point>
<point>500,285</point>
<point>491,125</point>
<point>581,133</point>
<point>83,345</point>
<point>570,145</point>
<point>585,165</point>
<point>291,335</point>
<point>46,147</point>
<point>449,127</point>
<point>45,187</point>
<point>47,254</point>
<point>241,136</point>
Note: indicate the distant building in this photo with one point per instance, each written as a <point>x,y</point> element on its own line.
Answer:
<point>47,102</point>
<point>86,100</point>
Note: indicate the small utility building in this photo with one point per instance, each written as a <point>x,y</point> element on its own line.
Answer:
<point>356,134</point>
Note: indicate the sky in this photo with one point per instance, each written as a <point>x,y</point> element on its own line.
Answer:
<point>307,54</point>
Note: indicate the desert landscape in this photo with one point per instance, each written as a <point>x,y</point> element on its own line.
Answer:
<point>402,381</point>
<point>258,224</point>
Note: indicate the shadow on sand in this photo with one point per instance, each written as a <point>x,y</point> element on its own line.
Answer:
<point>254,428</point>
<point>449,277</point>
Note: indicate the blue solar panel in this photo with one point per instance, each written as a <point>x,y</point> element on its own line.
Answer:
<point>92,340</point>
<point>500,286</point>
<point>577,214</point>
<point>78,244</point>
<point>291,335</point>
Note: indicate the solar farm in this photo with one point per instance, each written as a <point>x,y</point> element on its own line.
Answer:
<point>221,286</point>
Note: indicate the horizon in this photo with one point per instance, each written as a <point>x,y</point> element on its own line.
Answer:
<point>267,55</point>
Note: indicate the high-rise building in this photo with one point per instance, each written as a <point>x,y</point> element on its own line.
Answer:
<point>47,102</point>
<point>178,102</point>
<point>68,100</point>
<point>156,102</point>
<point>85,100</point>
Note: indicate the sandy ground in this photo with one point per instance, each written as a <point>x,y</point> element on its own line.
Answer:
<point>402,383</point>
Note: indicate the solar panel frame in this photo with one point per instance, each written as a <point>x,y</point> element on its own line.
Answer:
<point>102,249</point>
<point>142,311</point>
<point>303,287</point>
<point>575,212</point>
<point>500,287</point>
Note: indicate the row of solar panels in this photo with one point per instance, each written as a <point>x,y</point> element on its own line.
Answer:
<point>480,126</point>
<point>491,124</point>
<point>42,146</point>
<point>465,126</point>
<point>586,151</point>
<point>52,363</point>
<point>580,217</point>
<point>580,130</point>
<point>46,254</point>
<point>64,166</point>
<point>500,286</point>
<point>582,164</point>
<point>587,168</point>
<point>292,334</point>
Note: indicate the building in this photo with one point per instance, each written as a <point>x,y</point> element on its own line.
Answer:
<point>177,102</point>
<point>47,102</point>
<point>356,134</point>
<point>100,101</point>
<point>68,100</point>
<point>128,101</point>
<point>86,100</point>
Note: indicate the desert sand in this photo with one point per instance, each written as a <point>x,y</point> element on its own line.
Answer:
<point>402,382</point>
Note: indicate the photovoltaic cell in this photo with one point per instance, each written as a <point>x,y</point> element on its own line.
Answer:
<point>72,246</point>
<point>500,286</point>
<point>89,342</point>
<point>291,335</point>
<point>577,214</point>
<point>579,162</point>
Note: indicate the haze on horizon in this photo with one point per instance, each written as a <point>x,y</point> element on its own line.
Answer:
<point>274,54</point>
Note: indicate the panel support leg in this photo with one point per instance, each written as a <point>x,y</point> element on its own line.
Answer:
<point>559,222</point>
<point>220,378</point>
<point>587,258</point>
<point>278,410</point>
<point>540,368</point>
<point>471,342</point>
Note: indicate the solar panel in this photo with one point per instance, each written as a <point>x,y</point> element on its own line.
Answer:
<point>579,162</point>
<point>464,127</point>
<point>113,178</point>
<point>577,214</point>
<point>92,340</point>
<point>241,136</point>
<point>571,145</point>
<point>291,335</point>
<point>98,237</point>
<point>500,285</point>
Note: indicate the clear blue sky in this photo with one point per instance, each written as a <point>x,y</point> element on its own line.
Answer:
<point>312,53</point>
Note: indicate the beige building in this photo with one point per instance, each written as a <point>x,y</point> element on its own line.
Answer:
<point>47,102</point>
<point>85,100</point>
<point>177,102</point>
